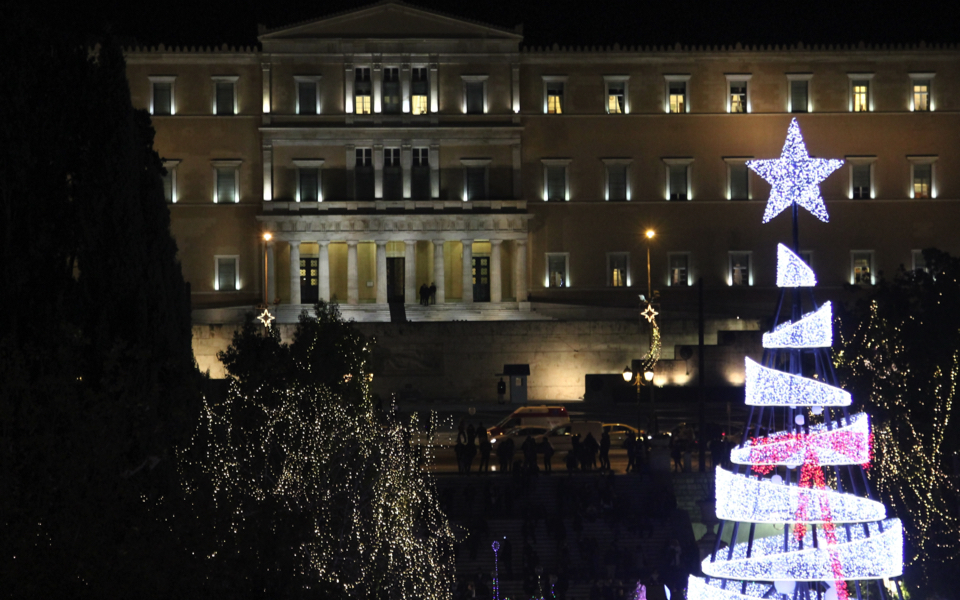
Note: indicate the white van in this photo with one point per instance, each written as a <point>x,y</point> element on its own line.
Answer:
<point>561,437</point>
<point>547,417</point>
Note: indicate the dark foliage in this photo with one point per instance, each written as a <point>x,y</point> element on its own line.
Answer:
<point>900,357</point>
<point>98,378</point>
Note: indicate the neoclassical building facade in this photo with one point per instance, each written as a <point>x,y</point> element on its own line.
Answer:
<point>361,156</point>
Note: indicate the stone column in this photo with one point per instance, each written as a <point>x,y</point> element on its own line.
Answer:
<point>467,271</point>
<point>265,67</point>
<point>377,84</point>
<point>438,271</point>
<point>517,182</point>
<point>267,151</point>
<point>381,271</point>
<point>406,163</point>
<point>520,270</point>
<point>348,78</point>
<point>410,295</point>
<point>496,291</point>
<point>324,271</point>
<point>434,171</point>
<point>353,288</point>
<point>271,273</point>
<point>405,85</point>
<point>295,273</point>
<point>434,87</point>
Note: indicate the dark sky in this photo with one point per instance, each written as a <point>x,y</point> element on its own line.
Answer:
<point>587,22</point>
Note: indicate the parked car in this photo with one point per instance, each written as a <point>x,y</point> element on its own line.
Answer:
<point>561,436</point>
<point>519,435</point>
<point>532,416</point>
<point>618,433</point>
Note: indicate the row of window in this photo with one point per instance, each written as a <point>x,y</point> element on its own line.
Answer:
<point>413,96</point>
<point>739,268</point>
<point>393,179</point>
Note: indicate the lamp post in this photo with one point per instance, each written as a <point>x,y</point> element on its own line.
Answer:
<point>267,236</point>
<point>638,380</point>
<point>650,235</point>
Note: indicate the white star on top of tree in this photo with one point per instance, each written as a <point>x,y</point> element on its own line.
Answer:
<point>795,177</point>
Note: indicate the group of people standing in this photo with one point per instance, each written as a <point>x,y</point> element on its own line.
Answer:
<point>469,441</point>
<point>428,295</point>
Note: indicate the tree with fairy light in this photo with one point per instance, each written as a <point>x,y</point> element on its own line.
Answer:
<point>900,350</point>
<point>309,486</point>
<point>797,509</point>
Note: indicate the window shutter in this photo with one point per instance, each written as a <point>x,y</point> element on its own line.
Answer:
<point>617,177</point>
<point>307,92</point>
<point>226,185</point>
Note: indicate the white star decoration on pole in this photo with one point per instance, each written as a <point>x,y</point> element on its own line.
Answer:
<point>266,318</point>
<point>795,177</point>
<point>650,313</point>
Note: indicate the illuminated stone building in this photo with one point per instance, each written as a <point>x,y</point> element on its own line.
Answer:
<point>392,147</point>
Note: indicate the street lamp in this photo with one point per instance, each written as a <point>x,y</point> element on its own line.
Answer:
<point>641,379</point>
<point>650,235</point>
<point>267,236</point>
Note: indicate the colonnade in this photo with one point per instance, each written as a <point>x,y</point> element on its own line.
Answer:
<point>410,283</point>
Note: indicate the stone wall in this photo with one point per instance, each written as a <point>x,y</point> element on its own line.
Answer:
<point>458,361</point>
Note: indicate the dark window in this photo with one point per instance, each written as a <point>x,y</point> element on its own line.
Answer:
<point>168,185</point>
<point>474,92</point>
<point>799,96</point>
<point>678,182</point>
<point>476,180</point>
<point>738,181</point>
<point>226,185</point>
<point>391,90</point>
<point>225,94</point>
<point>617,182</point>
<point>307,97</point>
<point>740,268</point>
<point>227,274</point>
<point>363,174</point>
<point>392,174</point>
<point>556,183</point>
<point>162,98</point>
<point>420,174</point>
<point>309,185</point>
<point>861,181</point>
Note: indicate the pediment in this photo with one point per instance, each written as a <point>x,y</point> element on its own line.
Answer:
<point>389,20</point>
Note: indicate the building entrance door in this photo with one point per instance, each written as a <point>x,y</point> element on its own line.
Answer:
<point>481,279</point>
<point>309,276</point>
<point>395,279</point>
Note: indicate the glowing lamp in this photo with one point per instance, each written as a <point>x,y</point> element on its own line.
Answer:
<point>627,374</point>
<point>648,374</point>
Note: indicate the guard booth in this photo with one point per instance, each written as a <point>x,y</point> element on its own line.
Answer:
<point>517,375</point>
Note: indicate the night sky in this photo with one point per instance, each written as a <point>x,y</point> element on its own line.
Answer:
<point>576,22</point>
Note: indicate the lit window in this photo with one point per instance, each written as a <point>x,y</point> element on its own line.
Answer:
<point>226,176</point>
<point>739,268</point>
<point>921,85</point>
<point>922,180</point>
<point>392,174</point>
<point>170,181</point>
<point>162,96</point>
<point>860,96</point>
<point>862,263</point>
<point>618,266</point>
<point>362,91</point>
<point>225,95</point>
<point>677,100</point>
<point>616,97</point>
<point>679,269</point>
<point>226,277</point>
<point>557,269</point>
<point>555,97</point>
<point>391,90</point>
<point>419,91</point>
<point>308,95</point>
<point>738,96</point>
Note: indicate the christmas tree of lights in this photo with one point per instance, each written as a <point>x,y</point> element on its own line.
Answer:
<point>798,486</point>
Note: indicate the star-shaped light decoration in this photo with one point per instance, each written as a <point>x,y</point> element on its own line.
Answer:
<point>795,177</point>
<point>266,318</point>
<point>650,313</point>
